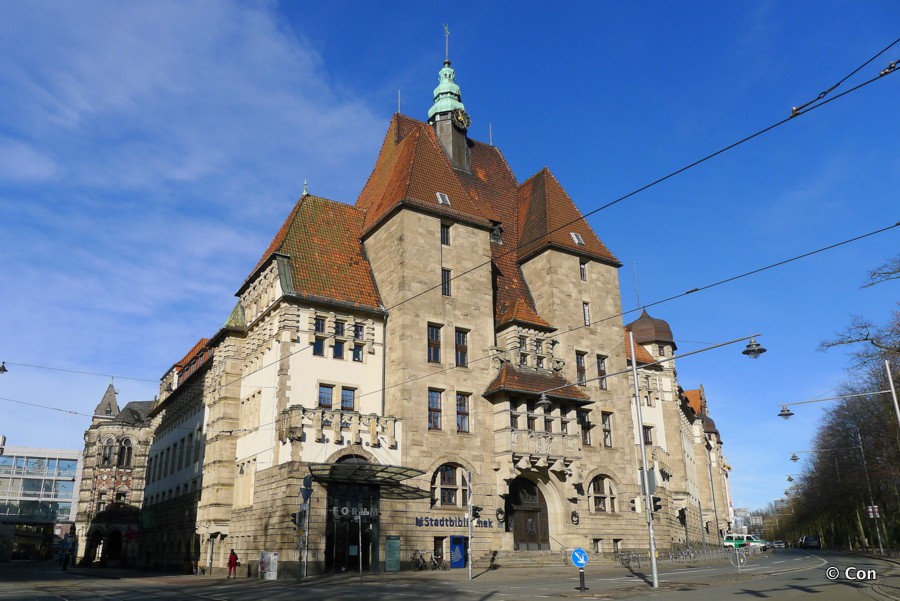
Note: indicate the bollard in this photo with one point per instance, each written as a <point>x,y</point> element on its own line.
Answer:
<point>581,577</point>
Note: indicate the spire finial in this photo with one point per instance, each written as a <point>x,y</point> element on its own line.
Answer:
<point>305,189</point>
<point>446,43</point>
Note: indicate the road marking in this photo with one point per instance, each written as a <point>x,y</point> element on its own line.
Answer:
<point>782,561</point>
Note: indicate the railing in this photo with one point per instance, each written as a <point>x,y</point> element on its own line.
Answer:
<point>531,442</point>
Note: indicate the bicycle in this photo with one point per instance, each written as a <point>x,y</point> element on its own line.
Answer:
<point>418,560</point>
<point>438,562</point>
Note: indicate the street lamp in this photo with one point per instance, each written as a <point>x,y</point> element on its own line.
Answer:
<point>754,349</point>
<point>787,413</point>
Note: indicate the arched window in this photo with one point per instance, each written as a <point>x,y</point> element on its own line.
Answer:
<point>124,453</point>
<point>108,450</point>
<point>603,495</point>
<point>448,487</point>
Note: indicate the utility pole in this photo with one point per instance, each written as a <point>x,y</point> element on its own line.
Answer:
<point>646,480</point>
<point>470,520</point>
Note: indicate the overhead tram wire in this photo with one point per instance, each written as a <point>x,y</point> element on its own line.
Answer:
<point>597,321</point>
<point>795,112</point>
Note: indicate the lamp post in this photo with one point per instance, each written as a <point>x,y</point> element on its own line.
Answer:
<point>787,413</point>
<point>752,350</point>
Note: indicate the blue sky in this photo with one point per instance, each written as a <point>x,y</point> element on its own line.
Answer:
<point>149,152</point>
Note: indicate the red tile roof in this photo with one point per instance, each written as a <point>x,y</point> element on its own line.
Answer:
<point>512,379</point>
<point>328,263</point>
<point>643,357</point>
<point>411,169</point>
<point>694,400</point>
<point>547,216</point>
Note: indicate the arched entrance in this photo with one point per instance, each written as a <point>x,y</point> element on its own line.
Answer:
<point>528,518</point>
<point>352,524</point>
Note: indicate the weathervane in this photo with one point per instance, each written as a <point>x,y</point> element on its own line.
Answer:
<point>446,43</point>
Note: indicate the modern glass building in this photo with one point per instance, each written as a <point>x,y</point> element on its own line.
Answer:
<point>38,489</point>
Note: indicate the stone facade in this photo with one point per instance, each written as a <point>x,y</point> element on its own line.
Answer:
<point>111,489</point>
<point>453,339</point>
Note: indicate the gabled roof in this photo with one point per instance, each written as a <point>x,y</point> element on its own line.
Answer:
<point>325,258</point>
<point>411,169</point>
<point>513,379</point>
<point>134,413</point>
<point>548,217</point>
<point>695,400</point>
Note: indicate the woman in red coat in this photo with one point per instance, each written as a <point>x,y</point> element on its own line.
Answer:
<point>233,564</point>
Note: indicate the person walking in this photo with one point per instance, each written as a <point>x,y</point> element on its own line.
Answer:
<point>233,564</point>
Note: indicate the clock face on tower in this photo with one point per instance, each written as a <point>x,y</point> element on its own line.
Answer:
<point>461,119</point>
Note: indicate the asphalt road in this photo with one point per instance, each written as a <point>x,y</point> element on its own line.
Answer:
<point>789,574</point>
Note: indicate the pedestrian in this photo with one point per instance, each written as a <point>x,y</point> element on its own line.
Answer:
<point>65,560</point>
<point>233,564</point>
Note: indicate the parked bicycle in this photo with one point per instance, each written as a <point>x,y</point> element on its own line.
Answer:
<point>438,562</point>
<point>418,560</point>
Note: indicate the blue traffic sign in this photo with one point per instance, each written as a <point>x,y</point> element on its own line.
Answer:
<point>579,557</point>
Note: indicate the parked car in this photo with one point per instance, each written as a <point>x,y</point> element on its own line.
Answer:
<point>779,544</point>
<point>744,540</point>
<point>810,542</point>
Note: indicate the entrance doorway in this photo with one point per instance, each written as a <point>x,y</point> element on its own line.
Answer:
<point>351,530</point>
<point>529,519</point>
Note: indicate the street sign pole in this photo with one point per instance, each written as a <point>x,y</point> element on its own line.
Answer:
<point>579,560</point>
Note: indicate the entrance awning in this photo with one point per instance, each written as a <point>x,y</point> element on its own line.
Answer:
<point>387,477</point>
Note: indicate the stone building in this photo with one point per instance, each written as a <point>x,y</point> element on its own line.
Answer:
<point>111,489</point>
<point>444,341</point>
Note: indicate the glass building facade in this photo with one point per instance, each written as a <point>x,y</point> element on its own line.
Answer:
<point>38,486</point>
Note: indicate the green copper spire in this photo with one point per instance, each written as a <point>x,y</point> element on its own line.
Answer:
<point>447,97</point>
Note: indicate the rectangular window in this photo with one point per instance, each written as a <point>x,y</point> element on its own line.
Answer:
<point>539,362</point>
<point>338,349</point>
<point>325,394</point>
<point>548,424</point>
<point>319,347</point>
<point>462,348</point>
<point>462,412</point>
<point>577,238</point>
<point>582,269</point>
<point>648,435</point>
<point>359,331</point>
<point>358,352</point>
<point>662,350</point>
<point>445,282</point>
<point>348,399</point>
<point>539,346</point>
<point>339,328</point>
<point>320,325</point>
<point>434,409</point>
<point>442,198</point>
<point>580,371</point>
<point>606,424</point>
<point>434,344</point>
<point>601,371</point>
<point>513,421</point>
<point>445,234</point>
<point>531,419</point>
<point>586,309</point>
<point>584,421</point>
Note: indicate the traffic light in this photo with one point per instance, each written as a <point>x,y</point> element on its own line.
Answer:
<point>682,516</point>
<point>634,505</point>
<point>657,503</point>
<point>476,511</point>
<point>294,519</point>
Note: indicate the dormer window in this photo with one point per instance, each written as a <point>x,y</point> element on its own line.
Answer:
<point>577,238</point>
<point>445,200</point>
